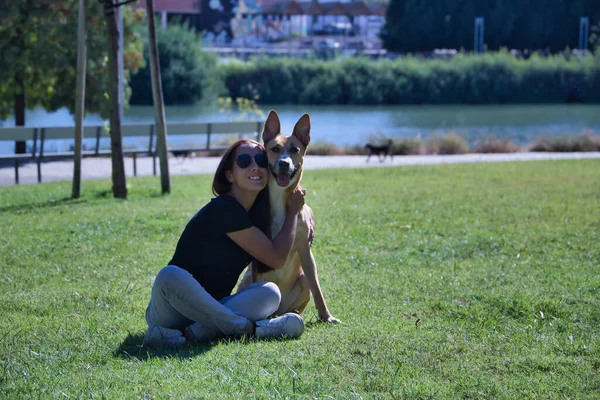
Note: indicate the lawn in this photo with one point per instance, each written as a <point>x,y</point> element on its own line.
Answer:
<point>453,281</point>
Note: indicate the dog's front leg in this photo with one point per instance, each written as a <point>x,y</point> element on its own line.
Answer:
<point>248,278</point>
<point>310,272</point>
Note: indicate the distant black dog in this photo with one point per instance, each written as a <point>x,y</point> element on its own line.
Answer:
<point>183,154</point>
<point>380,150</point>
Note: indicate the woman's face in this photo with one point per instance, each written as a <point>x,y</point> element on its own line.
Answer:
<point>252,178</point>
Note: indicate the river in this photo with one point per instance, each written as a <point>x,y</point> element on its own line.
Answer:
<point>350,125</point>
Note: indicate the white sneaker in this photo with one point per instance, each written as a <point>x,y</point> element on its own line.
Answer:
<point>288,325</point>
<point>159,336</point>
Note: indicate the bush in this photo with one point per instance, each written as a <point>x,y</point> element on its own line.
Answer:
<point>354,150</point>
<point>491,78</point>
<point>188,74</point>
<point>495,145</point>
<point>324,149</point>
<point>584,142</point>
<point>452,143</point>
<point>406,147</point>
<point>595,142</point>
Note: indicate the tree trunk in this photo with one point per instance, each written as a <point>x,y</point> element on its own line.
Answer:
<point>157,95</point>
<point>79,99</point>
<point>116,145</point>
<point>20,146</point>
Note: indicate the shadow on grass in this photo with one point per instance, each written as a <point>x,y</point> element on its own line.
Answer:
<point>315,322</point>
<point>51,203</point>
<point>103,194</point>
<point>131,348</point>
<point>108,194</point>
<point>65,201</point>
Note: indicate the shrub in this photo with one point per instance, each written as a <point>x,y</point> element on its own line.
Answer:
<point>452,143</point>
<point>584,142</point>
<point>594,141</point>
<point>491,78</point>
<point>354,150</point>
<point>188,74</point>
<point>378,139</point>
<point>495,145</point>
<point>407,146</point>
<point>324,149</point>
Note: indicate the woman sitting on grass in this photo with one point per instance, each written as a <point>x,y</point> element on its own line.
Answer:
<point>191,297</point>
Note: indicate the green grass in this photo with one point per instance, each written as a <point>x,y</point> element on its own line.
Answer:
<point>453,281</point>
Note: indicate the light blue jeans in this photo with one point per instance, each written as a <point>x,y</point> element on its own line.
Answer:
<point>178,301</point>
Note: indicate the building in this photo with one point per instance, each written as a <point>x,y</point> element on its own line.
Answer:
<point>259,21</point>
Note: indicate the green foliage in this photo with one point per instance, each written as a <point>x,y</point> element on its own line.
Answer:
<point>188,74</point>
<point>424,25</point>
<point>243,110</point>
<point>490,78</point>
<point>38,42</point>
<point>453,281</point>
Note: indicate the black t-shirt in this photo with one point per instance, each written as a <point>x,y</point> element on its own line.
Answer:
<point>207,252</point>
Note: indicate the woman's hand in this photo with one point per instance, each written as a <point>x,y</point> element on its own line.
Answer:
<point>296,201</point>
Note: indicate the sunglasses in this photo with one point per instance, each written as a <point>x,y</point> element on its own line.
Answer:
<point>244,160</point>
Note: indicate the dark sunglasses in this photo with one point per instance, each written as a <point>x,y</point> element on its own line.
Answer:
<point>244,160</point>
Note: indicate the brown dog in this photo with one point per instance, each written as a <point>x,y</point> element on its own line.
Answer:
<point>298,278</point>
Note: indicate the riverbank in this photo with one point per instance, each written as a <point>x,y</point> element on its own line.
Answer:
<point>345,126</point>
<point>100,168</point>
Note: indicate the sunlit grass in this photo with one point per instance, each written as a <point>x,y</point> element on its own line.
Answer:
<point>454,281</point>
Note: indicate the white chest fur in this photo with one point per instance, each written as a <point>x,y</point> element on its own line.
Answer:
<point>276,195</point>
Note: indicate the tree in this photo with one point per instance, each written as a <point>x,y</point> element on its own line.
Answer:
<point>424,25</point>
<point>595,38</point>
<point>157,95</point>
<point>215,17</point>
<point>79,98</point>
<point>38,43</point>
<point>29,32</point>
<point>189,75</point>
<point>116,140</point>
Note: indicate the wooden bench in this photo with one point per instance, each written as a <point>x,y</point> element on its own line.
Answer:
<point>16,134</point>
<point>41,135</point>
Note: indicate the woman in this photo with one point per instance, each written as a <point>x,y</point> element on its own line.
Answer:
<point>191,298</point>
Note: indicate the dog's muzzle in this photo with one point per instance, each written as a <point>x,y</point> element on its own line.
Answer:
<point>283,171</point>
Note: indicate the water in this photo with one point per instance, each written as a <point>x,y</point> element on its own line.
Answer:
<point>350,125</point>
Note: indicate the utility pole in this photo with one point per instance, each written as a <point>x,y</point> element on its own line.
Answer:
<point>157,96</point>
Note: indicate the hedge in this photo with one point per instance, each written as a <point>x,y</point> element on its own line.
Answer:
<point>491,78</point>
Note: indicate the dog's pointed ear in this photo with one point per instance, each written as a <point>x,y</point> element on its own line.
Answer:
<point>272,127</point>
<point>302,129</point>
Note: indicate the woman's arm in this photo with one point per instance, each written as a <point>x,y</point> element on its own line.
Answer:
<point>258,245</point>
